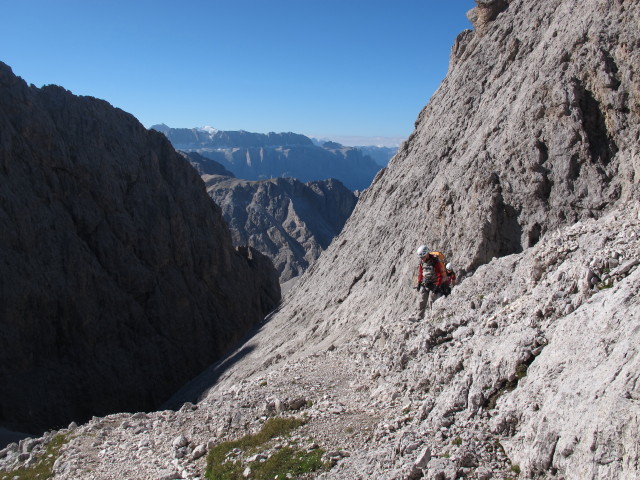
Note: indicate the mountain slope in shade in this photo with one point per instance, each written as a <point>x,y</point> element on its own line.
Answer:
<point>119,280</point>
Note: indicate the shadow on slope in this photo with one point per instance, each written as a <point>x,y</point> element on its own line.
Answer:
<point>192,391</point>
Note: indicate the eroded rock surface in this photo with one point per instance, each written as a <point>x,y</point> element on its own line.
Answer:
<point>289,221</point>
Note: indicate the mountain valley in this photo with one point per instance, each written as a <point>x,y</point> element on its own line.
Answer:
<point>523,169</point>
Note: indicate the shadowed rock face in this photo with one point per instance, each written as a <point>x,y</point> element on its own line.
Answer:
<point>119,280</point>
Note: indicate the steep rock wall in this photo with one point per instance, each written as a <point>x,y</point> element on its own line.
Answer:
<point>119,281</point>
<point>534,127</point>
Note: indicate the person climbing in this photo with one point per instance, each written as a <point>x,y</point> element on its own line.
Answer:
<point>451,275</point>
<point>433,281</point>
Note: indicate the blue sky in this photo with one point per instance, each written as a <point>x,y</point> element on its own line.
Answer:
<point>325,68</point>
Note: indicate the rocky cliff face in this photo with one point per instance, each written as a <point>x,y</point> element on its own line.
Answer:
<point>119,280</point>
<point>255,156</point>
<point>289,221</point>
<point>524,169</point>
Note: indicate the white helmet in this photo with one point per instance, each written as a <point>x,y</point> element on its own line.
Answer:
<point>449,267</point>
<point>422,251</point>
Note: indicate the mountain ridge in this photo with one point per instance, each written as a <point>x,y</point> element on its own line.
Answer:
<point>288,221</point>
<point>257,156</point>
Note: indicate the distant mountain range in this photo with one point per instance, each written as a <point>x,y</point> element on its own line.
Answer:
<point>258,156</point>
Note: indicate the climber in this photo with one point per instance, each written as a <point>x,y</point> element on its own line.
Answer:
<point>451,276</point>
<point>432,281</point>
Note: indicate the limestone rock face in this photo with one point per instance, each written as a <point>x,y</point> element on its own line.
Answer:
<point>534,127</point>
<point>119,280</point>
<point>255,156</point>
<point>289,221</point>
<point>189,138</point>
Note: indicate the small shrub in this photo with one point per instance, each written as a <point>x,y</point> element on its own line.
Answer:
<point>605,285</point>
<point>456,441</point>
<point>521,371</point>
<point>515,469</point>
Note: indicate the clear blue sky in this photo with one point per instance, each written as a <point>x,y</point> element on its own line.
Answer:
<point>321,67</point>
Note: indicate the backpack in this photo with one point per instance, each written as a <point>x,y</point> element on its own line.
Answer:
<point>440,256</point>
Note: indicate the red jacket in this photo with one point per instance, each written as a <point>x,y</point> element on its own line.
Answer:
<point>438,268</point>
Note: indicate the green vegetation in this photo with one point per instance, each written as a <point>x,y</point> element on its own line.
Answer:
<point>515,469</point>
<point>456,441</point>
<point>43,468</point>
<point>605,285</point>
<point>288,461</point>
<point>223,462</point>
<point>521,371</point>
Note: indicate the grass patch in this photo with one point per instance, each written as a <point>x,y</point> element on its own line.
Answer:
<point>288,461</point>
<point>43,468</point>
<point>221,464</point>
<point>521,371</point>
<point>515,469</point>
<point>456,441</point>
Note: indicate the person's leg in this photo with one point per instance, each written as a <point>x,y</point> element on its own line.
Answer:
<point>433,296</point>
<point>422,301</point>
